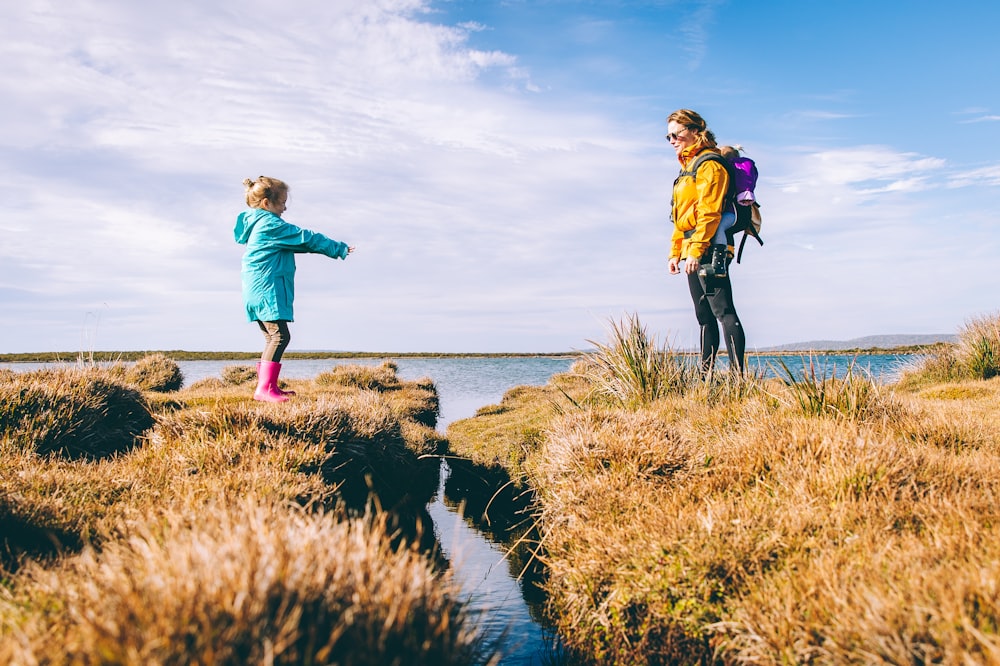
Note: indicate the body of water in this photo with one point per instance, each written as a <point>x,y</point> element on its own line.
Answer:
<point>466,384</point>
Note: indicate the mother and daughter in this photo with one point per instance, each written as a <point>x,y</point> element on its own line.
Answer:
<point>700,210</point>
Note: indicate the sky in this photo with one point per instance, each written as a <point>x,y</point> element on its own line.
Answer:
<point>500,167</point>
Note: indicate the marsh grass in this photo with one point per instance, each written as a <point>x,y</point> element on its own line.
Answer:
<point>380,377</point>
<point>855,395</point>
<point>73,412</point>
<point>632,369</point>
<point>155,372</point>
<point>976,355</point>
<point>802,519</point>
<point>979,346</point>
<point>677,534</point>
<point>150,556</point>
<point>234,375</point>
<point>248,581</point>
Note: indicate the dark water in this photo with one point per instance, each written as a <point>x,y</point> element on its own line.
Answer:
<point>506,604</point>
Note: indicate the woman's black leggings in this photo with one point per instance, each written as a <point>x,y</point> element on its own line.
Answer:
<point>276,339</point>
<point>713,300</point>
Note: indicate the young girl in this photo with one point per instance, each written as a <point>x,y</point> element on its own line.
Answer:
<point>269,273</point>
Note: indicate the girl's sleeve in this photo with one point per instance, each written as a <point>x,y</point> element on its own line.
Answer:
<point>291,237</point>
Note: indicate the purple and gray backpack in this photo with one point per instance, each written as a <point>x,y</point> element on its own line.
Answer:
<point>740,196</point>
<point>745,179</point>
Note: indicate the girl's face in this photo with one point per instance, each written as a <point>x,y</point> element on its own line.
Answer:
<point>277,206</point>
<point>680,137</point>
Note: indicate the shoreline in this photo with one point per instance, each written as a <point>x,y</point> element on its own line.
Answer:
<point>183,355</point>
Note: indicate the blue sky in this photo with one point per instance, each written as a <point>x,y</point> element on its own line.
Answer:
<point>500,167</point>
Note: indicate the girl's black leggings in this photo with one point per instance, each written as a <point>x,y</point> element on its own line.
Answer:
<point>713,304</point>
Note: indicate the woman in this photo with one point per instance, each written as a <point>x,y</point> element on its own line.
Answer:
<point>698,204</point>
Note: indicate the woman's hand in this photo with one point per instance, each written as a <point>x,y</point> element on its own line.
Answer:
<point>691,265</point>
<point>674,265</point>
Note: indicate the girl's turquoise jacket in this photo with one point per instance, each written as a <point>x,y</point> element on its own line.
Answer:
<point>269,261</point>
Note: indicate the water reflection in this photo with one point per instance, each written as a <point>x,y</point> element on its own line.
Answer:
<point>508,604</point>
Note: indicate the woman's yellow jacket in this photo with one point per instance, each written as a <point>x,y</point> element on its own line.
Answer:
<point>697,205</point>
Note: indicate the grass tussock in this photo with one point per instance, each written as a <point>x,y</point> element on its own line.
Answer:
<point>73,412</point>
<point>380,377</point>
<point>633,369</point>
<point>144,557</point>
<point>854,396</point>
<point>235,375</point>
<point>155,372</point>
<point>245,582</point>
<point>975,356</point>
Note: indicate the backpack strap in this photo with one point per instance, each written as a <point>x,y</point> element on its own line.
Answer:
<point>709,156</point>
<point>750,230</point>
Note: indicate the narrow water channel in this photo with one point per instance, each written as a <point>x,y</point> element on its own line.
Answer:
<point>507,603</point>
<point>496,594</point>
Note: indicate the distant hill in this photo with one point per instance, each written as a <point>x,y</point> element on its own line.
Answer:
<point>867,342</point>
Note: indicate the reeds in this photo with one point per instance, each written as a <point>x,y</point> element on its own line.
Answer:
<point>633,370</point>
<point>856,395</point>
<point>979,346</point>
<point>976,355</point>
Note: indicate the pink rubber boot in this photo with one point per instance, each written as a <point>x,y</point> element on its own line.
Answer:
<point>267,383</point>
<point>276,387</point>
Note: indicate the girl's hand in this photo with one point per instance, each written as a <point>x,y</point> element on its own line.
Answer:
<point>673,265</point>
<point>691,265</point>
<point>350,249</point>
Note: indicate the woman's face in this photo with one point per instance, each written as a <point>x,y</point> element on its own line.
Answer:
<point>680,137</point>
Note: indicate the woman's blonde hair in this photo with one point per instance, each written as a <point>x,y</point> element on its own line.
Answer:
<point>264,189</point>
<point>694,123</point>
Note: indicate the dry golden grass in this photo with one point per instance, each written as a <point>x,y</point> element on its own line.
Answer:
<point>72,412</point>
<point>675,534</point>
<point>976,355</point>
<point>501,436</point>
<point>822,521</point>
<point>155,372</point>
<point>245,581</point>
<point>152,555</point>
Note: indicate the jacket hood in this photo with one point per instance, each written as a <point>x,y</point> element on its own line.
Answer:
<point>245,222</point>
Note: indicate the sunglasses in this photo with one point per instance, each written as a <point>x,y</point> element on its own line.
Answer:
<point>673,136</point>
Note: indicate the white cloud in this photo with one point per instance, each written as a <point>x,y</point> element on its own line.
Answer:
<point>464,201</point>
<point>485,218</point>
<point>983,177</point>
